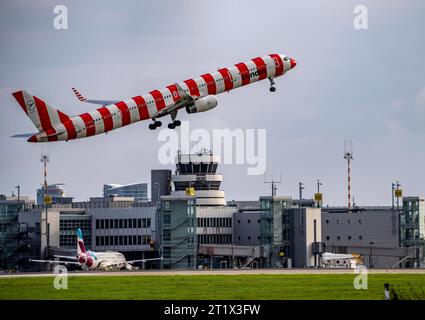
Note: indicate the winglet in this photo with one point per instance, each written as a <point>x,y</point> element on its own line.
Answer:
<point>79,95</point>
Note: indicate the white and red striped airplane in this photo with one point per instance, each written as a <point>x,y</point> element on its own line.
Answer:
<point>195,95</point>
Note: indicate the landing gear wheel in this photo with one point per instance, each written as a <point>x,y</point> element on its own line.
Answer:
<point>158,124</point>
<point>171,125</point>
<point>177,123</point>
<point>152,126</point>
<point>272,89</point>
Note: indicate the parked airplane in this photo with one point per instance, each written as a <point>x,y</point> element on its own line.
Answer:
<point>195,95</point>
<point>90,260</point>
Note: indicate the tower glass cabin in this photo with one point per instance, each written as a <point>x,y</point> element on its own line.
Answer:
<point>198,171</point>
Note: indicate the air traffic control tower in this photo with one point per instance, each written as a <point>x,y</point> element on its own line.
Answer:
<point>198,171</point>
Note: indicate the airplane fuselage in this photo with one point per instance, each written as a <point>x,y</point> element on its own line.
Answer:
<point>102,260</point>
<point>155,103</point>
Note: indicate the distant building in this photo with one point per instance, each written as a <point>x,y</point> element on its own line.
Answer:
<point>160,184</point>
<point>14,246</point>
<point>56,192</point>
<point>139,191</point>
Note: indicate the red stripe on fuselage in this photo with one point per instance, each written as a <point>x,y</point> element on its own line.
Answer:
<point>19,96</point>
<point>209,80</point>
<point>193,87</point>
<point>228,84</point>
<point>88,122</point>
<point>69,126</point>
<point>243,69</point>
<point>261,68</point>
<point>278,64</point>
<point>125,113</point>
<point>141,106</point>
<point>159,99</point>
<point>174,92</point>
<point>107,118</point>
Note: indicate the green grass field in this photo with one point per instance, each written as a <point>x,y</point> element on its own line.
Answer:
<point>244,287</point>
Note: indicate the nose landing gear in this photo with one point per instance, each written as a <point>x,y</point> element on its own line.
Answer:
<point>272,87</point>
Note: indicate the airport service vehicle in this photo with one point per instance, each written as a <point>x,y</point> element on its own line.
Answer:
<point>90,260</point>
<point>340,260</point>
<point>194,95</point>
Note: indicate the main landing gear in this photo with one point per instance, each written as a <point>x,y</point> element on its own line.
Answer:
<point>175,123</point>
<point>272,87</point>
<point>155,124</point>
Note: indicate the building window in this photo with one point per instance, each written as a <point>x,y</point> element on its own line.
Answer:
<point>361,237</point>
<point>360,221</point>
<point>349,221</point>
<point>327,221</point>
<point>327,238</point>
<point>338,221</point>
<point>338,238</point>
<point>121,225</point>
<point>139,223</point>
<point>349,237</point>
<point>249,221</point>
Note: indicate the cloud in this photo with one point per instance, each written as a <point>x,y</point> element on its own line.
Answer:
<point>420,99</point>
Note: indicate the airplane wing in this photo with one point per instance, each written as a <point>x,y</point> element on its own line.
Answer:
<point>101,102</point>
<point>184,100</point>
<point>143,260</point>
<point>66,257</point>
<point>55,262</point>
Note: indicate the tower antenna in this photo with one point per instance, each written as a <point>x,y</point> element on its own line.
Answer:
<point>348,155</point>
<point>273,183</point>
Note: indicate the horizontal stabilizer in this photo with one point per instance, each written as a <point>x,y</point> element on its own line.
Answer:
<point>101,102</point>
<point>23,135</point>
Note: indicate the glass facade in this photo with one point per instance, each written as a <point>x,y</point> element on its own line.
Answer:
<point>412,225</point>
<point>67,230</point>
<point>178,233</point>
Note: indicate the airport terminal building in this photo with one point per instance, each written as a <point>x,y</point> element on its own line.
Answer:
<point>191,225</point>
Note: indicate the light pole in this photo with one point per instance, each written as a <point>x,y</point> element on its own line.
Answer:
<point>45,159</point>
<point>318,191</point>
<point>19,194</point>
<point>398,198</point>
<point>392,194</point>
<point>371,258</point>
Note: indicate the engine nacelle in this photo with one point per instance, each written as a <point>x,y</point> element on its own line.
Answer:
<point>203,104</point>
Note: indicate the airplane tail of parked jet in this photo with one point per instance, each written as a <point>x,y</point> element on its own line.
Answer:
<point>43,116</point>
<point>80,243</point>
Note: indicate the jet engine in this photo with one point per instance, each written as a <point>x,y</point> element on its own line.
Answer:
<point>203,104</point>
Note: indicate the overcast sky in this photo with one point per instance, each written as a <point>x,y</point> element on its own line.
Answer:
<point>366,85</point>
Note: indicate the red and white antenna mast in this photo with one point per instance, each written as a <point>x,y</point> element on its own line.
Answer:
<point>348,155</point>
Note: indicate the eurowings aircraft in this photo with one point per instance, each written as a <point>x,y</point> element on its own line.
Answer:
<point>90,260</point>
<point>194,95</point>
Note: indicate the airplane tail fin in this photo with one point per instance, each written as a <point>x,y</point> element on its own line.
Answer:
<point>80,242</point>
<point>40,113</point>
